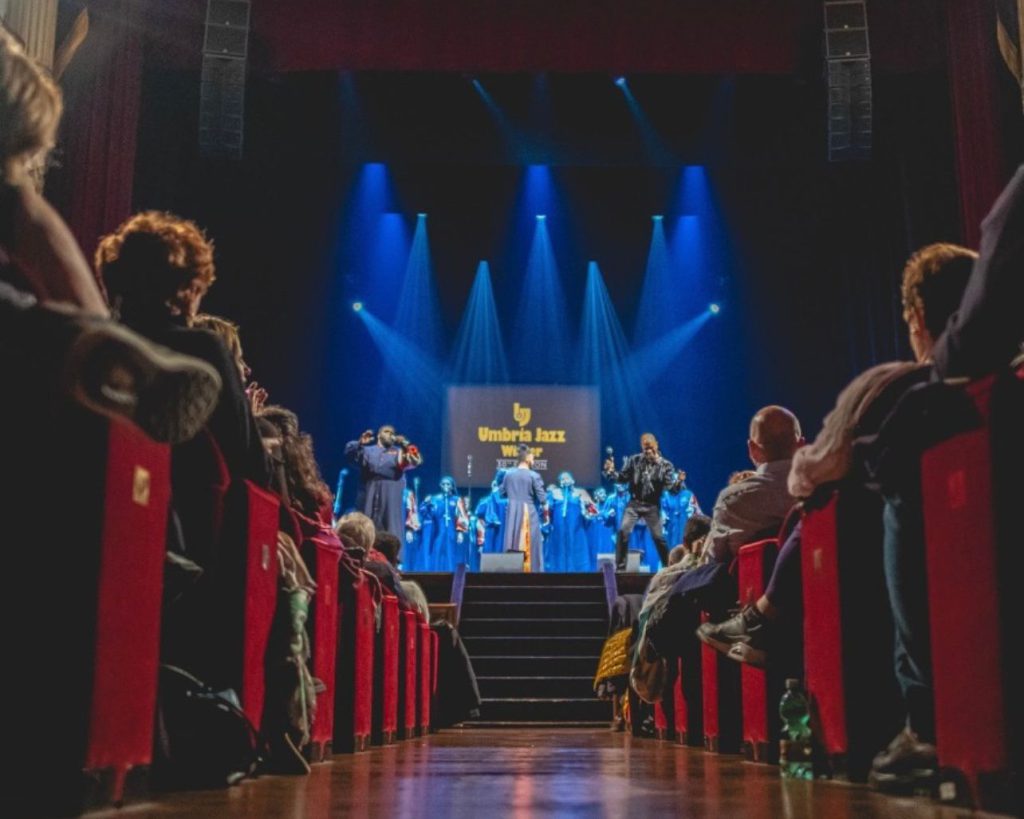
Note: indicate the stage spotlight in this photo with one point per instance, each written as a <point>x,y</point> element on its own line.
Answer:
<point>714,308</point>
<point>421,216</point>
<point>657,217</point>
<point>620,81</point>
<point>357,306</point>
<point>541,217</point>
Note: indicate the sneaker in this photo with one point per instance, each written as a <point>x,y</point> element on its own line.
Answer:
<point>907,765</point>
<point>746,628</point>
<point>117,373</point>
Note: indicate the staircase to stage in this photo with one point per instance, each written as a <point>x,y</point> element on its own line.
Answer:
<point>535,640</point>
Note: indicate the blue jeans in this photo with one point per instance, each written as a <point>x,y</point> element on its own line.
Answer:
<point>906,580</point>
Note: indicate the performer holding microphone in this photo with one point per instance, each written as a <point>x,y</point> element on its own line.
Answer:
<point>382,468</point>
<point>647,474</point>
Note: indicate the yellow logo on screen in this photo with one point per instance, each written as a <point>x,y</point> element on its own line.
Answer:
<point>521,414</point>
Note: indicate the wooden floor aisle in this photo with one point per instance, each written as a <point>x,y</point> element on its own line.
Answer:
<point>488,774</point>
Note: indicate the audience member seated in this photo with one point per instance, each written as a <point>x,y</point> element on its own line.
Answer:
<point>304,487</point>
<point>390,546</point>
<point>744,512</point>
<point>157,268</point>
<point>754,507</point>
<point>933,283</point>
<point>57,341</point>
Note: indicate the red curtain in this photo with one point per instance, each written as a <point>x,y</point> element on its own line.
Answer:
<point>974,86</point>
<point>102,93</point>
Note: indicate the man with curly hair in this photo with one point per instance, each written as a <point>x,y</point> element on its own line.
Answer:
<point>157,267</point>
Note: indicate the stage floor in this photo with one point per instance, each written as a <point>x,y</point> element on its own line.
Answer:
<point>537,773</point>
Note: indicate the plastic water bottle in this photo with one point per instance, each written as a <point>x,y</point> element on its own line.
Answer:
<point>795,746</point>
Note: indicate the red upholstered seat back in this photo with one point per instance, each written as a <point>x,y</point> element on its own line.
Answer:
<point>321,550</point>
<point>970,545</point>
<point>386,684</point>
<point>425,677</point>
<point>127,630</point>
<point>261,570</point>
<point>823,664</point>
<point>756,561</point>
<point>365,624</point>
<point>408,672</point>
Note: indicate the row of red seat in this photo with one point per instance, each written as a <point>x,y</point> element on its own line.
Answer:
<point>968,486</point>
<point>377,683</point>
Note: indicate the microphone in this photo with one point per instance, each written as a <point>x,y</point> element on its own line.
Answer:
<point>469,466</point>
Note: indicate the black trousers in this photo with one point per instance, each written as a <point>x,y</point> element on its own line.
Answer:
<point>652,517</point>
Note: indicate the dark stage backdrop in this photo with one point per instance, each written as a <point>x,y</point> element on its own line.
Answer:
<point>486,425</point>
<point>810,266</point>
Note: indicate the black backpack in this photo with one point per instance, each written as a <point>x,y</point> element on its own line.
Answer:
<point>203,739</point>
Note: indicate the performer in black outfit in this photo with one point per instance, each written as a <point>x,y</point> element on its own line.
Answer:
<point>647,474</point>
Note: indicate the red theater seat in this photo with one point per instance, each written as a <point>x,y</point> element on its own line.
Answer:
<point>761,688</point>
<point>848,631</point>
<point>385,677</point>
<point>353,705</point>
<point>425,675</point>
<point>85,509</point>
<point>261,526</point>
<point>720,680</point>
<point>407,673</point>
<point>663,728</point>
<point>970,493</point>
<point>321,550</point>
<point>127,616</point>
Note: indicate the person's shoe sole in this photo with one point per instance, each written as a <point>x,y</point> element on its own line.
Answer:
<point>113,371</point>
<point>717,645</point>
<point>745,653</point>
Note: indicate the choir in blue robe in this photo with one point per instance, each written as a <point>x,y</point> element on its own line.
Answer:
<point>676,510</point>
<point>449,531</point>
<point>566,548</point>
<point>412,544</point>
<point>490,521</point>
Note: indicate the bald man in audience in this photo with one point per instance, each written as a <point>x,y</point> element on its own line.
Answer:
<point>756,506</point>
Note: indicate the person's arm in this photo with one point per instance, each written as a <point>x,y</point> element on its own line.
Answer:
<point>355,451</point>
<point>49,257</point>
<point>986,331</point>
<point>539,495</point>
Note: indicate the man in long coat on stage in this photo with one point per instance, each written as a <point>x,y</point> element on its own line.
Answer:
<point>525,492</point>
<point>382,468</point>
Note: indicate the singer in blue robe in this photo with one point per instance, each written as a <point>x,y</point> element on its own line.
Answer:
<point>382,468</point>
<point>676,510</point>
<point>525,492</point>
<point>566,548</point>
<point>449,528</point>
<point>490,518</point>
<point>412,546</point>
<point>600,538</point>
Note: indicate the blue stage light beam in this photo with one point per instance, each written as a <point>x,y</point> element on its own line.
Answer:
<point>656,148</point>
<point>418,315</point>
<point>409,383</point>
<point>479,353</point>
<point>650,361</point>
<point>662,293</point>
<point>626,410</point>
<point>541,335</point>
